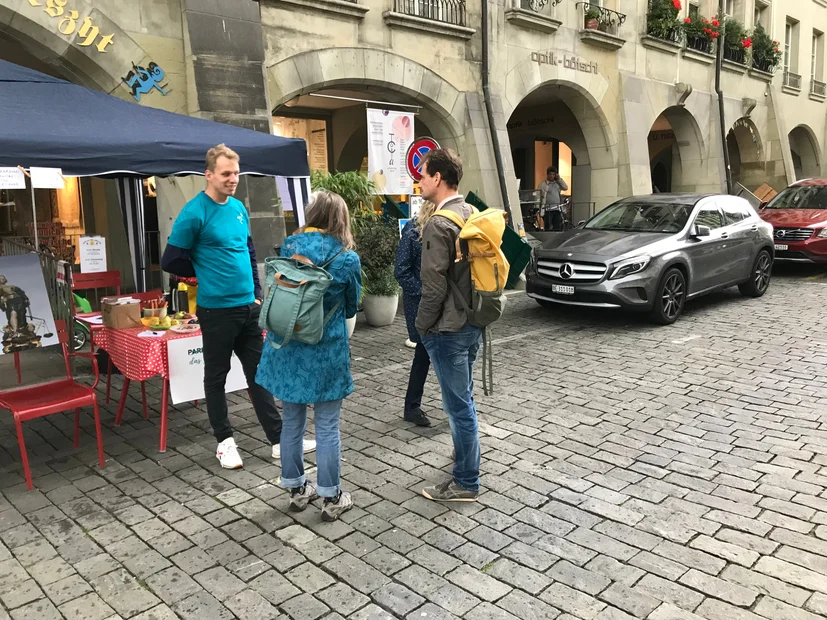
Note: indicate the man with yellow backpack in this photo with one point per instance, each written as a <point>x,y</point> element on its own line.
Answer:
<point>463,276</point>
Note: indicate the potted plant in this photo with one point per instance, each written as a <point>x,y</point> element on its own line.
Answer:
<point>592,17</point>
<point>737,41</point>
<point>376,243</point>
<point>662,20</point>
<point>766,55</point>
<point>700,33</point>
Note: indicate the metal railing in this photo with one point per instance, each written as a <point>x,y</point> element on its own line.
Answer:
<point>447,11</point>
<point>735,54</point>
<point>538,6</point>
<point>793,80</point>
<point>818,88</point>
<point>607,20</point>
<point>699,44</point>
<point>763,64</point>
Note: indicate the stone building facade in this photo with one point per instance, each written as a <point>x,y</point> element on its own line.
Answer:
<point>616,109</point>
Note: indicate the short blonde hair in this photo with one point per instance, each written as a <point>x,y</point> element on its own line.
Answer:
<point>222,150</point>
<point>328,211</point>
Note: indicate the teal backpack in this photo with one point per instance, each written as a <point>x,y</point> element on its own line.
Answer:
<point>293,307</point>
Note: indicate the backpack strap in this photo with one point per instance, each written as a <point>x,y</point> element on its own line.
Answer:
<point>450,215</point>
<point>286,340</point>
<point>330,262</point>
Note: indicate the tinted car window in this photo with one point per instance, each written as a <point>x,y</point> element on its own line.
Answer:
<point>808,197</point>
<point>734,212</point>
<point>642,217</point>
<point>709,216</point>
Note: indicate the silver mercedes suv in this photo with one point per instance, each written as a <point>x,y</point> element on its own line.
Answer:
<point>653,253</point>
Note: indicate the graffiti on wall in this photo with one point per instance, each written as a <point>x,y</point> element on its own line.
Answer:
<point>143,81</point>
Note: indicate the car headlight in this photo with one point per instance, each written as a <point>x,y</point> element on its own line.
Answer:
<point>630,266</point>
<point>822,234</point>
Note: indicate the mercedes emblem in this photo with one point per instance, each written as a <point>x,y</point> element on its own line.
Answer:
<point>566,271</point>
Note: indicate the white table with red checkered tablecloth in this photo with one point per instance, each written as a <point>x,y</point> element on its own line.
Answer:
<point>139,358</point>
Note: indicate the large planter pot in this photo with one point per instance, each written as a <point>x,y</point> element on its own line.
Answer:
<point>592,24</point>
<point>380,311</point>
<point>351,327</point>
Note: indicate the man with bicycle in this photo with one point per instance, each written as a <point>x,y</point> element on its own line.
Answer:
<point>551,203</point>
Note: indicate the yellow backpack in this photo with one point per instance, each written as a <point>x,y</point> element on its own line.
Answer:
<point>479,242</point>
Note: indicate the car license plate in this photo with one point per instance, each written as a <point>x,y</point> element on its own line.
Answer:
<point>562,290</point>
<point>781,248</point>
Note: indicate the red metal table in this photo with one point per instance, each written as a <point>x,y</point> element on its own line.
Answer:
<point>140,359</point>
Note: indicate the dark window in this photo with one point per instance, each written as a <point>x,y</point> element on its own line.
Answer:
<point>734,212</point>
<point>710,217</point>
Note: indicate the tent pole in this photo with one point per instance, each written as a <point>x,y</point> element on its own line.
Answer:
<point>34,221</point>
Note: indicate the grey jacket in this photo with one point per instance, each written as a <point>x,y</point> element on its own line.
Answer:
<point>440,310</point>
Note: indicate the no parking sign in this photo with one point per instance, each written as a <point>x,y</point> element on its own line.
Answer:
<point>416,153</point>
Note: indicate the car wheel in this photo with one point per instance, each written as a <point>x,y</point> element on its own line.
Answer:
<point>669,298</point>
<point>759,279</point>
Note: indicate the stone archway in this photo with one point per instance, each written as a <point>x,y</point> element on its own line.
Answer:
<point>586,95</point>
<point>40,33</point>
<point>444,107</point>
<point>805,153</point>
<point>746,154</point>
<point>686,148</point>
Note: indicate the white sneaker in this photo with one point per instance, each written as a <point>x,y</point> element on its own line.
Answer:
<point>309,445</point>
<point>410,344</point>
<point>228,455</point>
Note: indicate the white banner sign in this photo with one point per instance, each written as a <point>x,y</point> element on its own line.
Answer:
<point>186,371</point>
<point>47,178</point>
<point>12,178</point>
<point>92,254</point>
<point>390,134</point>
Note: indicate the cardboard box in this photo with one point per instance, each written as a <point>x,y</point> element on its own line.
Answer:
<point>121,315</point>
<point>765,193</point>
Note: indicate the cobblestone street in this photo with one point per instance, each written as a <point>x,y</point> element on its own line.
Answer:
<point>629,471</point>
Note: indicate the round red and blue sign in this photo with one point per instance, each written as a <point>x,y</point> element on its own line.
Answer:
<point>416,154</point>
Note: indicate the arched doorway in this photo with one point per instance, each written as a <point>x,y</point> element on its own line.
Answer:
<point>805,153</point>
<point>675,152</point>
<point>746,154</point>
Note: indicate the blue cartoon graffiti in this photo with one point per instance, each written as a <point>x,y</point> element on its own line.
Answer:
<point>141,81</point>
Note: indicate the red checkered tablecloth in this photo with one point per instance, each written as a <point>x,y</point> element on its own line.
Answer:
<point>137,358</point>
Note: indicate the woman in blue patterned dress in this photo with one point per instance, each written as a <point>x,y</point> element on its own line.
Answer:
<point>302,374</point>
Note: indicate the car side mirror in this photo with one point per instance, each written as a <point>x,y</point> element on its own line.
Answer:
<point>701,231</point>
<point>581,223</point>
<point>763,205</point>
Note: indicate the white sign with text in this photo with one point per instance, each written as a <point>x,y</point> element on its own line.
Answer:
<point>390,134</point>
<point>47,178</point>
<point>92,254</point>
<point>12,178</point>
<point>186,371</point>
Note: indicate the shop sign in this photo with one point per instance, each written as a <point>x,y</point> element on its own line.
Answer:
<point>12,178</point>
<point>85,33</point>
<point>532,122</point>
<point>141,81</point>
<point>186,371</point>
<point>389,136</point>
<point>565,61</point>
<point>416,155</point>
<point>92,254</point>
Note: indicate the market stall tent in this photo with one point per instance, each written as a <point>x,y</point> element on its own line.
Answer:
<point>52,123</point>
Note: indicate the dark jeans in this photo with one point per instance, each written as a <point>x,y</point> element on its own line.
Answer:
<point>419,374</point>
<point>453,355</point>
<point>235,330</point>
<point>554,220</point>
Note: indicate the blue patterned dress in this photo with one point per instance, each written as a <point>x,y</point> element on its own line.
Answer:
<point>304,373</point>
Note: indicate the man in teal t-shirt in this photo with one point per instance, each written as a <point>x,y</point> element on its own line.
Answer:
<point>210,240</point>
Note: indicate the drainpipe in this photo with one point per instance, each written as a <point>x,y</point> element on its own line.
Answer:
<point>718,64</point>
<point>489,110</point>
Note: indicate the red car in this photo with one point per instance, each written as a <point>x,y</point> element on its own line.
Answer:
<point>799,218</point>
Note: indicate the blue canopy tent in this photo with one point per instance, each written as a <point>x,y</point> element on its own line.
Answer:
<point>49,122</point>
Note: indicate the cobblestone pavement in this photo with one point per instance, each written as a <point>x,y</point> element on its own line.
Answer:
<point>629,471</point>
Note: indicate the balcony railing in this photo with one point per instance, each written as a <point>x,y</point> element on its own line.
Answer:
<point>538,6</point>
<point>734,54</point>
<point>447,11</point>
<point>792,80</point>
<point>818,88</point>
<point>699,44</point>
<point>606,20</point>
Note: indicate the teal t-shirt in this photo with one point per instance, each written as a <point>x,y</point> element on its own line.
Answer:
<point>216,237</point>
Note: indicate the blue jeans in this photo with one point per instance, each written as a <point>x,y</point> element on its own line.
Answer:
<point>328,446</point>
<point>453,355</point>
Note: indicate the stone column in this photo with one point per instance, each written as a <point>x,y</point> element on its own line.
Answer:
<point>224,46</point>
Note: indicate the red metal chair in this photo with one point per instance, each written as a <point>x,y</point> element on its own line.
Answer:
<point>103,279</point>
<point>44,399</point>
